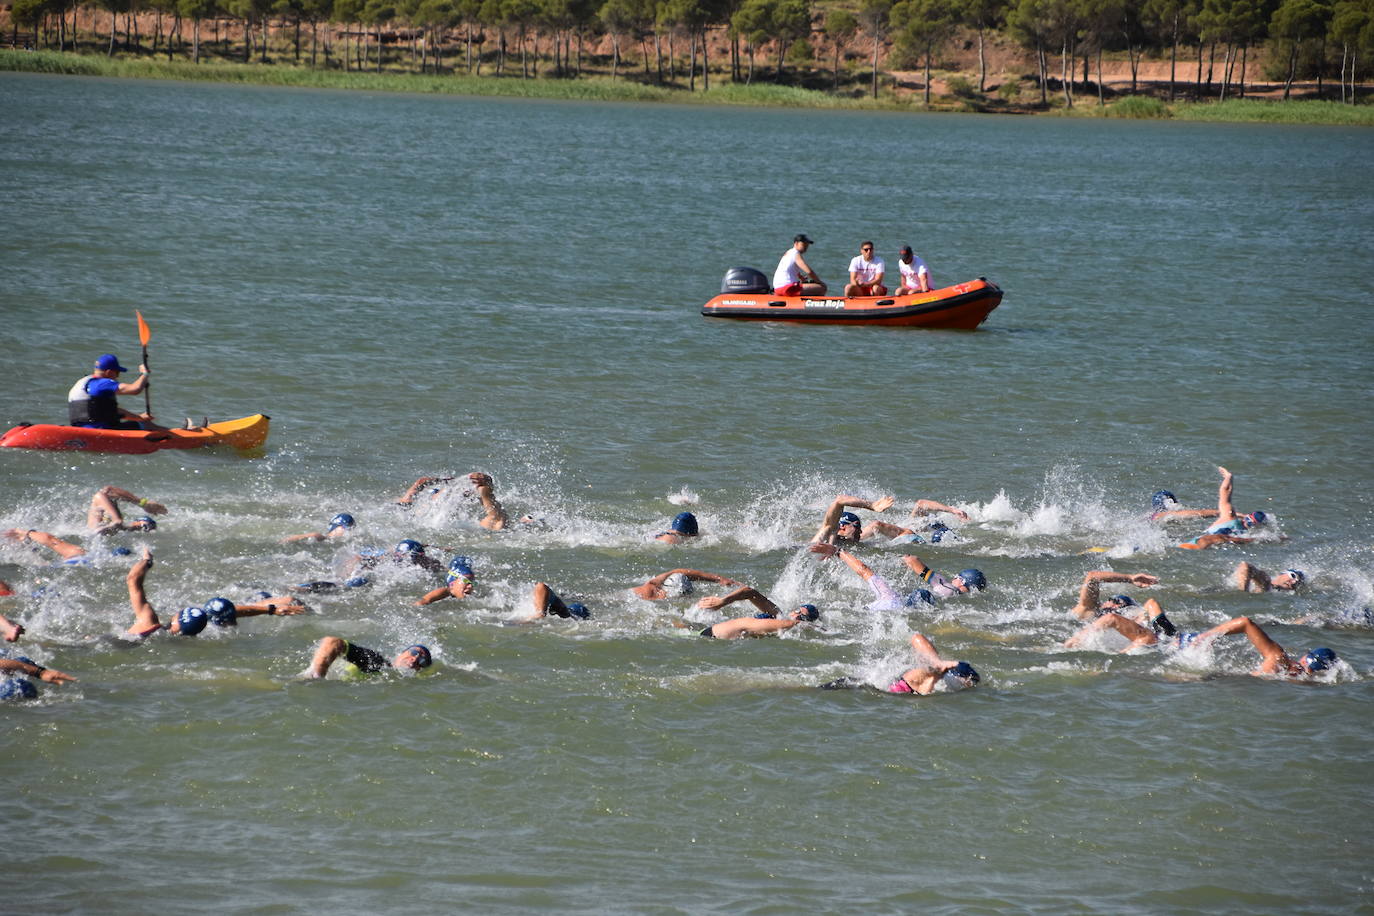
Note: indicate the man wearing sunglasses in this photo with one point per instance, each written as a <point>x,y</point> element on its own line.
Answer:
<point>866,273</point>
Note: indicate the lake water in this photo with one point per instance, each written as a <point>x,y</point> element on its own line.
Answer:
<point>417,285</point>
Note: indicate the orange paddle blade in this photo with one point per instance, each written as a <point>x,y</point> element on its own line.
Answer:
<point>143,332</point>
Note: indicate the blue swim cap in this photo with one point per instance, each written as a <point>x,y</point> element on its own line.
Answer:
<point>120,551</point>
<point>409,546</point>
<point>461,566</point>
<point>1256,518</point>
<point>357,582</point>
<point>192,621</point>
<point>1123,600</point>
<point>1319,659</point>
<point>847,518</point>
<point>342,520</point>
<point>1299,577</point>
<point>579,611</point>
<point>222,612</point>
<point>1162,498</point>
<point>938,530</point>
<point>920,596</point>
<point>144,523</point>
<point>964,672</point>
<point>17,688</point>
<point>811,612</point>
<point>421,654</point>
<point>685,523</point>
<point>974,578</point>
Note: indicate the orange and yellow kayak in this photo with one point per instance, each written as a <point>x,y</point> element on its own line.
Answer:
<point>243,433</point>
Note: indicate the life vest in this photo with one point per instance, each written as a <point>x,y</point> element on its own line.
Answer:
<point>85,410</point>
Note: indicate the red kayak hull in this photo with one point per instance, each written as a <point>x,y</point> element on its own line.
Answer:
<point>243,433</point>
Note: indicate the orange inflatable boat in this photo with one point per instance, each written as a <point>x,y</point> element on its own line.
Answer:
<point>963,306</point>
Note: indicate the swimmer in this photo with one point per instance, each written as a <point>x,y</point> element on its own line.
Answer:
<point>14,667</point>
<point>340,526</point>
<point>760,626</point>
<point>1165,507</point>
<point>1148,628</point>
<point>676,583</point>
<point>1250,578</point>
<point>1273,658</point>
<point>684,525</point>
<point>1090,604</point>
<point>494,517</point>
<point>547,603</point>
<point>365,660</point>
<point>938,586</point>
<point>406,552</point>
<point>1229,525</point>
<point>225,613</point>
<point>104,516</point>
<point>840,526</point>
<point>69,554</point>
<point>9,630</point>
<point>922,680</point>
<point>408,498</point>
<point>745,593</point>
<point>188,622</point>
<point>460,581</point>
<point>884,595</point>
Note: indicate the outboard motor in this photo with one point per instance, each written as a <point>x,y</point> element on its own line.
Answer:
<point>745,280</point>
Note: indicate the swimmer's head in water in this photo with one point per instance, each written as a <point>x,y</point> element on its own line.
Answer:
<point>1255,518</point>
<point>1163,499</point>
<point>142,523</point>
<point>342,520</point>
<point>419,656</point>
<point>848,520</point>
<point>678,585</point>
<point>808,612</point>
<point>962,675</point>
<point>222,612</point>
<point>191,621</point>
<point>409,547</point>
<point>685,524</point>
<point>120,552</point>
<point>974,579</point>
<point>1319,660</point>
<point>1296,577</point>
<point>17,688</point>
<point>1115,602</point>
<point>579,610</point>
<point>357,582</point>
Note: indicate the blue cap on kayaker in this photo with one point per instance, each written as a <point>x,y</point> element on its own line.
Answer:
<point>108,362</point>
<point>342,520</point>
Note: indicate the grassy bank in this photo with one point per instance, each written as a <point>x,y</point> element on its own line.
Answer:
<point>604,89</point>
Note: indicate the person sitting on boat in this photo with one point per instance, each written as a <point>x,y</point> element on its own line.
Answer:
<point>1164,506</point>
<point>684,525</point>
<point>362,660</point>
<point>1229,524</point>
<point>1273,658</point>
<point>866,272</point>
<point>104,516</point>
<point>1249,577</point>
<point>915,274</point>
<point>93,403</point>
<point>794,277</point>
<point>1091,605</point>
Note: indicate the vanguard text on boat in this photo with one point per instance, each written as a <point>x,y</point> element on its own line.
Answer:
<point>244,433</point>
<point>745,294</point>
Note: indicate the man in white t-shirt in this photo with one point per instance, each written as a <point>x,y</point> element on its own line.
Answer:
<point>866,273</point>
<point>915,274</point>
<point>794,277</point>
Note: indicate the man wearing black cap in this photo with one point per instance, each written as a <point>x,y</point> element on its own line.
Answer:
<point>794,277</point>
<point>92,401</point>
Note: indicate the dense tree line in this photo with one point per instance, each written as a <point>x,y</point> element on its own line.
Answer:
<point>1209,43</point>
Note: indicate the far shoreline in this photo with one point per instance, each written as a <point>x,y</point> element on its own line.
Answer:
<point>605,89</point>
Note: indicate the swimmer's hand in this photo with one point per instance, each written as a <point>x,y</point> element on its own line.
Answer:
<point>825,550</point>
<point>52,676</point>
<point>710,603</point>
<point>1143,580</point>
<point>883,503</point>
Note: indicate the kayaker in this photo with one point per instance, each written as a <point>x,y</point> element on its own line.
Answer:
<point>547,603</point>
<point>92,401</point>
<point>1249,577</point>
<point>866,272</point>
<point>794,277</point>
<point>364,660</point>
<point>684,525</point>
<point>760,626</point>
<point>1273,658</point>
<point>1090,604</point>
<point>915,274</point>
<point>104,516</point>
<point>1229,524</point>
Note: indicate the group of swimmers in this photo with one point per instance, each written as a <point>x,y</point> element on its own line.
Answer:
<point>840,533</point>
